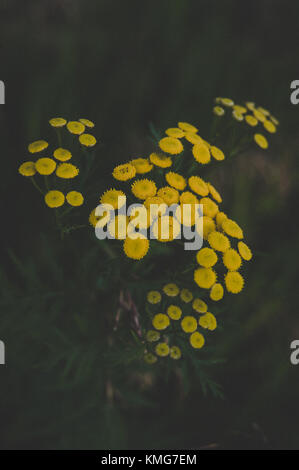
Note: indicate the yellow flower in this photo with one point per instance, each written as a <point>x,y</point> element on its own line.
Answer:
<point>208,226</point>
<point>188,213</point>
<point>240,109</point>
<point>154,297</point>
<point>227,102</point>
<point>166,228</point>
<point>118,227</point>
<point>124,172</point>
<point>188,198</point>
<point>214,193</point>
<point>152,336</point>
<point>75,127</point>
<point>160,321</point>
<point>175,180</point>
<point>197,340</point>
<point>205,277</point>
<point>169,195</point>
<point>150,358</point>
<point>67,171</point>
<point>244,251</point>
<point>261,141</point>
<point>199,306</point>
<point>218,241</point>
<point>54,199</point>
<point>238,116</point>
<point>114,197</point>
<point>218,111</point>
<point>216,292</point>
<point>160,160</point>
<point>251,120</point>
<point>27,169</point>
<point>88,140</point>
<point>143,189</point>
<point>175,132</point>
<point>136,248</point>
<point>232,229</point>
<point>162,349</point>
<point>206,257</point>
<point>186,295</point>
<point>274,120</point>
<point>193,138</point>
<point>189,324</point>
<point>99,221</point>
<point>57,122</point>
<point>187,127</point>
<point>174,312</point>
<point>217,153</point>
<point>210,208</point>
<point>171,145</point>
<point>259,116</point>
<point>220,217</point>
<point>175,352</point>
<point>141,165</point>
<point>208,321</point>
<point>74,198</point>
<point>269,126</point>
<point>155,207</point>
<point>250,106</point>
<point>37,146</point>
<point>62,154</point>
<point>232,260</point>
<point>264,111</point>
<point>171,290</point>
<point>234,282</point>
<point>201,153</point>
<point>45,166</point>
<point>87,122</point>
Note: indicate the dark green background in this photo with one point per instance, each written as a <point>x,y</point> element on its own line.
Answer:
<point>125,64</point>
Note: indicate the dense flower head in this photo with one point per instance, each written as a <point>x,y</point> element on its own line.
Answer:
<point>124,172</point>
<point>143,189</point>
<point>75,127</point>
<point>57,122</point>
<point>54,199</point>
<point>87,140</point>
<point>160,160</point>
<point>141,165</point>
<point>67,171</point>
<point>37,146</point>
<point>27,169</point>
<point>75,198</point>
<point>171,145</point>
<point>45,166</point>
<point>62,155</point>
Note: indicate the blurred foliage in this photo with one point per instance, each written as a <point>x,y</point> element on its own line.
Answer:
<point>125,66</point>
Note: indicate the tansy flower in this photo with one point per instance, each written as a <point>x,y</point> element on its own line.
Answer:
<point>189,324</point>
<point>37,146</point>
<point>186,295</point>
<point>208,226</point>
<point>197,340</point>
<point>175,180</point>
<point>117,228</point>
<point>150,358</point>
<point>232,260</point>
<point>54,199</point>
<point>27,169</point>
<point>161,321</point>
<point>198,186</point>
<point>75,127</point>
<point>62,154</point>
<point>174,312</point>
<point>274,120</point>
<point>175,132</point>
<point>210,208</point>
<point>201,153</point>
<point>244,251</point>
<point>45,166</point>
<point>99,221</point>
<point>57,122</point>
<point>143,189</point>
<point>251,120</point>
<point>234,282</point>
<point>227,102</point>
<point>154,297</point>
<point>218,241</point>
<point>162,349</point>
<point>67,171</point>
<point>171,290</point>
<point>193,138</point>
<point>217,153</point>
<point>124,172</point>
<point>218,111</point>
<point>214,193</point>
<point>152,336</point>
<point>269,126</point>
<point>188,198</point>
<point>220,217</point>
<point>87,140</point>
<point>175,352</point>
<point>141,165</point>
<point>259,116</point>
<point>206,257</point>
<point>74,198</point>
<point>114,197</point>
<point>185,126</point>
<point>250,105</point>
<point>208,321</point>
<point>155,206</point>
<point>171,145</point>
<point>232,228</point>
<point>237,116</point>
<point>205,277</point>
<point>216,292</point>
<point>136,248</point>
<point>264,111</point>
<point>166,228</point>
<point>240,109</point>
<point>87,122</point>
<point>261,141</point>
<point>169,195</point>
<point>199,306</point>
<point>160,160</point>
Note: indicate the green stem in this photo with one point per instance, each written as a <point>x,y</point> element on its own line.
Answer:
<point>36,185</point>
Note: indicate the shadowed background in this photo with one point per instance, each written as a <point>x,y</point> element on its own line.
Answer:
<point>125,65</point>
